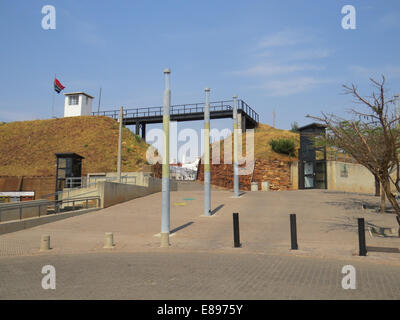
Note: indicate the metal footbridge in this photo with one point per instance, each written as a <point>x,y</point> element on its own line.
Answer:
<point>139,117</point>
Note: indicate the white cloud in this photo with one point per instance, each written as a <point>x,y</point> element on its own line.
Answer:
<point>310,54</point>
<point>273,69</point>
<point>291,86</point>
<point>296,54</point>
<point>284,54</point>
<point>285,38</point>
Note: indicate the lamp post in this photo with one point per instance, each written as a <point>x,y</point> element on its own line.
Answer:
<point>235,149</point>
<point>165,220</point>
<point>119,161</point>
<point>207,177</point>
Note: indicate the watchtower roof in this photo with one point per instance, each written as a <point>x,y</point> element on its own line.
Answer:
<point>76,93</point>
<point>69,155</point>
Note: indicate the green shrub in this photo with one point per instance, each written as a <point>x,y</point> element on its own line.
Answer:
<point>284,146</point>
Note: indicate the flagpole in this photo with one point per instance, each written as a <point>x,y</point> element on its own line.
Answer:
<point>98,110</point>
<point>52,106</point>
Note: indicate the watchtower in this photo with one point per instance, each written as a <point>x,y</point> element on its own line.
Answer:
<point>77,104</point>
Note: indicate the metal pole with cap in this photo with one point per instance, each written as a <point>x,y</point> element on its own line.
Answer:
<point>165,220</point>
<point>207,175</point>
<point>235,149</point>
<point>119,161</point>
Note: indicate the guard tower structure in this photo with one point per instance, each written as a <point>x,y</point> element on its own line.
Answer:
<point>312,159</point>
<point>77,104</point>
<point>69,166</point>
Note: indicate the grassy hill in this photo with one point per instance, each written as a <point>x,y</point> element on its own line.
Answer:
<point>27,147</point>
<point>262,149</point>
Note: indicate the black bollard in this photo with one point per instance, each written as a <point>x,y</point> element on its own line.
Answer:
<point>293,231</point>
<point>361,237</point>
<point>236,237</point>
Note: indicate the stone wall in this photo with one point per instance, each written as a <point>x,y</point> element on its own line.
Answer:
<point>276,172</point>
<point>156,170</point>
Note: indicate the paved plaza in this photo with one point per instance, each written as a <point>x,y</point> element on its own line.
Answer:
<point>201,262</point>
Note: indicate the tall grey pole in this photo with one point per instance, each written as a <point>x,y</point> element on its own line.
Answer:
<point>207,176</point>
<point>121,110</point>
<point>235,149</point>
<point>273,117</point>
<point>165,221</point>
<point>98,108</point>
<point>52,105</point>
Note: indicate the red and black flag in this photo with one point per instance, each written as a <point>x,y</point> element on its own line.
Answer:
<point>58,87</point>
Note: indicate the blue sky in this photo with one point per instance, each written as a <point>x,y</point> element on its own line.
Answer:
<point>288,55</point>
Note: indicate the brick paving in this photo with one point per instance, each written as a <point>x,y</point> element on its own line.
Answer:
<point>172,275</point>
<point>201,262</point>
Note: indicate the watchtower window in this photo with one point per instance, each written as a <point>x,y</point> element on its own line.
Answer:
<point>73,100</point>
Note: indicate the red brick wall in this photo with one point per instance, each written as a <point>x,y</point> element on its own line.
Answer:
<point>9,183</point>
<point>41,185</point>
<point>156,170</point>
<point>276,172</point>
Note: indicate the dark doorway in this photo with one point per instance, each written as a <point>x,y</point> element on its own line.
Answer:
<point>69,165</point>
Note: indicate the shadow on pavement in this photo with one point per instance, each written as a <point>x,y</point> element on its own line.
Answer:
<point>181,227</point>
<point>357,204</point>
<point>217,209</point>
<point>383,249</point>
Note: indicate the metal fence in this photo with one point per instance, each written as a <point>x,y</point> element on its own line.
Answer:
<point>340,156</point>
<point>38,208</point>
<point>76,183</point>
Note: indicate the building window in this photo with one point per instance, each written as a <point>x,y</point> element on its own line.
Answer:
<point>343,171</point>
<point>87,100</point>
<point>73,100</point>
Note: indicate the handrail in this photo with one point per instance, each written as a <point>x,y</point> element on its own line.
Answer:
<point>33,203</point>
<point>27,204</point>
<point>39,204</point>
<point>180,109</point>
<point>124,179</point>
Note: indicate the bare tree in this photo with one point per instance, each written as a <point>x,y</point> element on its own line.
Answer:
<point>371,136</point>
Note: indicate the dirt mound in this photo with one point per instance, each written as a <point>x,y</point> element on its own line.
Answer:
<point>27,147</point>
<point>263,134</point>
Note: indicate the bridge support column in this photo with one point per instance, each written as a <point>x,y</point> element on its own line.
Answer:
<point>243,124</point>
<point>143,131</point>
<point>137,128</point>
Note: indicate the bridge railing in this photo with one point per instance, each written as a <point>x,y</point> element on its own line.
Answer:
<point>247,109</point>
<point>179,109</point>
